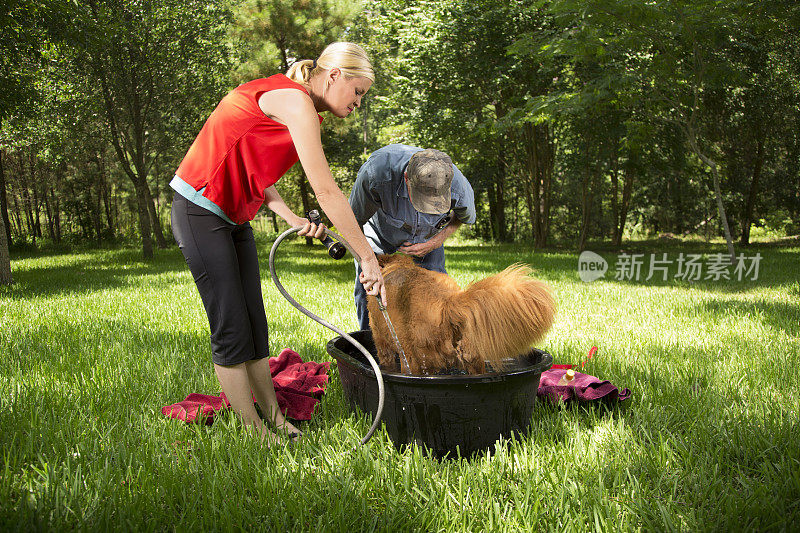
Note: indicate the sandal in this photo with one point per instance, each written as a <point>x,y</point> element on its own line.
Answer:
<point>293,436</point>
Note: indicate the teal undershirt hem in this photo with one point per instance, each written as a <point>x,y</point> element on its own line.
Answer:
<point>197,198</point>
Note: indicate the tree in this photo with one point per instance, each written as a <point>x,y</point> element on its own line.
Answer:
<point>457,88</point>
<point>676,53</point>
<point>153,65</point>
<point>5,260</point>
<point>21,28</point>
<point>760,111</point>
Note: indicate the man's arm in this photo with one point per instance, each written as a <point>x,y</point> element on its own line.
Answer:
<point>464,209</point>
<point>363,201</point>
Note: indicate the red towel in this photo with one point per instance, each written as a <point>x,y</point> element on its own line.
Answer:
<point>298,385</point>
<point>582,388</point>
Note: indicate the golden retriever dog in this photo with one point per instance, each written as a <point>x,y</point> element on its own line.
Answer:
<point>444,328</point>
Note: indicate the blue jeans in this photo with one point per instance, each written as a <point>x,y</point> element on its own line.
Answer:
<point>433,261</point>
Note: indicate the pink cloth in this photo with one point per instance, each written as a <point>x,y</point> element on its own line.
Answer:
<point>582,388</point>
<point>299,386</point>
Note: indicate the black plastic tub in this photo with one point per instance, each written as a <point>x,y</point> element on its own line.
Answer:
<point>448,414</point>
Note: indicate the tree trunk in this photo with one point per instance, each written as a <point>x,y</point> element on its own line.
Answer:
<point>585,206</point>
<point>4,202</point>
<point>99,159</point>
<point>49,212</point>
<point>546,164</point>
<point>514,212</point>
<point>115,206</point>
<point>37,221</point>
<point>751,197</point>
<point>144,221</point>
<point>110,224</point>
<point>5,257</point>
<point>490,195</point>
<point>101,168</point>
<point>533,196</point>
<point>627,188</point>
<point>587,199</point>
<point>18,215</point>
<point>96,215</point>
<point>151,209</point>
<point>26,199</point>
<point>37,212</point>
<point>500,205</point>
<point>531,211</point>
<point>133,166</point>
<point>616,231</point>
<point>303,183</point>
<point>55,202</point>
<point>717,191</point>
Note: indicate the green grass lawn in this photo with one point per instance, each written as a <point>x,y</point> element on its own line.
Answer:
<point>94,343</point>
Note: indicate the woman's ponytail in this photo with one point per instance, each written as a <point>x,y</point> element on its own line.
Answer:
<point>350,58</point>
<point>301,71</point>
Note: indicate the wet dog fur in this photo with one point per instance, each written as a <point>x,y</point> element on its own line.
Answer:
<point>443,328</point>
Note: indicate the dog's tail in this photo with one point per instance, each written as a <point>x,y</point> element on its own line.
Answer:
<point>501,316</point>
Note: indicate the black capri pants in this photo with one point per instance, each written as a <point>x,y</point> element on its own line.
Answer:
<point>224,263</point>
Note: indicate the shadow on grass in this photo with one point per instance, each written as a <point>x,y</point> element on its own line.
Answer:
<point>775,267</point>
<point>90,271</point>
<point>93,270</point>
<point>778,266</point>
<point>317,267</point>
<point>90,396</point>
<point>676,425</point>
<point>784,317</point>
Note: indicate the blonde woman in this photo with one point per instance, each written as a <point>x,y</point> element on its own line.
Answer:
<point>256,133</point>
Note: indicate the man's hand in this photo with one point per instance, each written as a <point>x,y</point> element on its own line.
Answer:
<point>423,248</point>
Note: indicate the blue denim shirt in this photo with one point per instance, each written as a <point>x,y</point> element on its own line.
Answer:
<point>380,201</point>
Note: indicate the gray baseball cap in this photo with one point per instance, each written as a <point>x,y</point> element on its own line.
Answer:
<point>430,175</point>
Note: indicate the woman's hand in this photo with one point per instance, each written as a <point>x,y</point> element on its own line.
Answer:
<point>372,279</point>
<point>311,230</point>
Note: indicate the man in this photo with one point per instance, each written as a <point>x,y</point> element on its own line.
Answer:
<point>410,200</point>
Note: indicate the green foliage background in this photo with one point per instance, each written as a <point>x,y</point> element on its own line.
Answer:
<point>574,121</point>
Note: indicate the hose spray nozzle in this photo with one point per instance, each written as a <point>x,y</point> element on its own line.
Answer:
<point>335,249</point>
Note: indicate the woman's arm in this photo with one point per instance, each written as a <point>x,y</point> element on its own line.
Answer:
<point>274,202</point>
<point>295,109</point>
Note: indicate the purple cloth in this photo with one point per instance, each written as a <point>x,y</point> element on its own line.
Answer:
<point>582,388</point>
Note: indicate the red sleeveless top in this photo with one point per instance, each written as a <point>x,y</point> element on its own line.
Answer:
<point>240,152</point>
